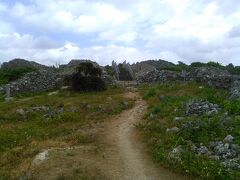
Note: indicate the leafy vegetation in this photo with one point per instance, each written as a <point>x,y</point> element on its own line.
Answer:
<point>88,78</point>
<point>22,136</point>
<point>168,101</point>
<point>12,74</point>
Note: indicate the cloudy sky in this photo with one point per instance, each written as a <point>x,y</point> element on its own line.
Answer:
<point>55,31</point>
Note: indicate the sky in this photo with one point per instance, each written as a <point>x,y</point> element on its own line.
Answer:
<point>53,32</point>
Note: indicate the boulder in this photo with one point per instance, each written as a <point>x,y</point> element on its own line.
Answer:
<point>175,154</point>
<point>228,139</point>
<point>202,150</point>
<point>173,130</point>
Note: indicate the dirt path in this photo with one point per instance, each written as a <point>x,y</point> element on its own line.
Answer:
<point>124,135</point>
<point>120,154</point>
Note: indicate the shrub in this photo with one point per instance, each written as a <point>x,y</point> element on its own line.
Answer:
<point>88,78</point>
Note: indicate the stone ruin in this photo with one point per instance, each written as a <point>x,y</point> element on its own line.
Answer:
<point>44,80</point>
<point>211,76</point>
<point>115,70</point>
<point>123,72</point>
<point>34,82</point>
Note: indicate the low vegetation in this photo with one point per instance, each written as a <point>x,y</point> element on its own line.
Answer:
<point>167,109</point>
<point>30,124</point>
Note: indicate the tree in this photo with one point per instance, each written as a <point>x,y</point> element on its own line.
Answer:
<point>197,64</point>
<point>88,78</point>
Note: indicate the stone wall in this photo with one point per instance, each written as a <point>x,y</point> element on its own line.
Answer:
<point>143,67</point>
<point>159,76</point>
<point>123,72</point>
<point>211,76</point>
<point>39,81</point>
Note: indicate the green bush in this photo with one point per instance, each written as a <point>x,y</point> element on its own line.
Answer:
<point>88,78</point>
<point>232,106</point>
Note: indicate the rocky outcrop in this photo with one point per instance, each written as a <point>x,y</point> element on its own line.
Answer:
<point>202,107</point>
<point>38,81</point>
<point>115,70</point>
<point>123,72</point>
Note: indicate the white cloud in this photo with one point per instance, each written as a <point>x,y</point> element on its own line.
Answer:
<point>74,16</point>
<point>47,51</point>
<point>25,42</point>
<point>114,29</point>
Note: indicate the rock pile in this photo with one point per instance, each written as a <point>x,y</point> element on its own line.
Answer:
<point>202,107</point>
<point>225,151</point>
<point>38,81</point>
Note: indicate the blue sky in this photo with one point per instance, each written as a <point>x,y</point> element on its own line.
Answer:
<point>56,31</point>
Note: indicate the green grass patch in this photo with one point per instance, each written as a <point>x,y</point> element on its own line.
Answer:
<point>168,101</point>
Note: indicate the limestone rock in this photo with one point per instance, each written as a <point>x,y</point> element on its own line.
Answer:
<point>228,139</point>
<point>202,107</point>
<point>173,130</point>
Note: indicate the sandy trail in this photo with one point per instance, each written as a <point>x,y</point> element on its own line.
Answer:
<point>130,149</point>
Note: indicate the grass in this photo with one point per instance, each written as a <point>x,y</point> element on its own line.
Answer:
<point>22,137</point>
<point>168,101</point>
